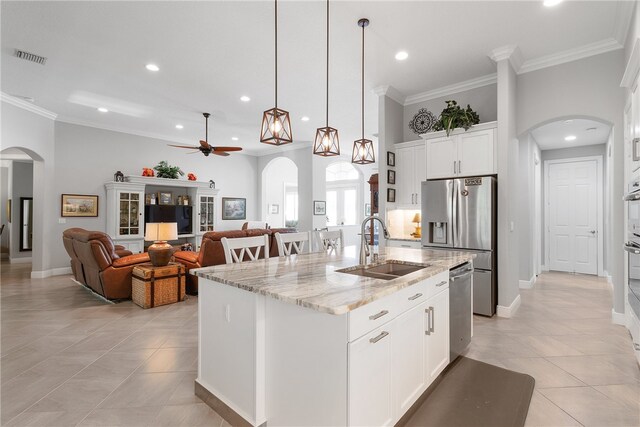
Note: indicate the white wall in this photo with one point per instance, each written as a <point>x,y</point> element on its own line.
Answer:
<point>4,197</point>
<point>22,186</point>
<point>86,158</point>
<point>390,131</point>
<point>483,100</point>
<point>588,88</point>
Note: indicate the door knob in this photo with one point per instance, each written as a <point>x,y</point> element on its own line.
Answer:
<point>592,231</point>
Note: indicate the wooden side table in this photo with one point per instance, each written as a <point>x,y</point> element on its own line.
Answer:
<point>153,286</point>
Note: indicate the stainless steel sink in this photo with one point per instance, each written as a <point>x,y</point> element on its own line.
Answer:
<point>386,271</point>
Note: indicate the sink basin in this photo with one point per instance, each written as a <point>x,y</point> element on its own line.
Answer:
<point>386,271</point>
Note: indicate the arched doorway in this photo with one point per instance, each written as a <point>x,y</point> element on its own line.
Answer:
<point>280,193</point>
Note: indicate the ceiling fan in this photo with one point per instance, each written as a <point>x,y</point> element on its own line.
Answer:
<point>204,146</point>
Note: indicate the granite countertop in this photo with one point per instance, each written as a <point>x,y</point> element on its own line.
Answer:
<point>406,239</point>
<point>310,280</point>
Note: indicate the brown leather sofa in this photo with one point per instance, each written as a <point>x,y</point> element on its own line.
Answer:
<point>99,264</point>
<point>212,253</point>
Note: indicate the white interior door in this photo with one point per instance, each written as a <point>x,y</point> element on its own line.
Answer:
<point>573,216</point>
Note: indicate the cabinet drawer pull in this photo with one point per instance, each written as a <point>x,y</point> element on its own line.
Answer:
<point>379,315</point>
<point>415,297</point>
<point>444,282</point>
<point>428,312</point>
<point>379,337</point>
<point>636,346</point>
<point>405,246</point>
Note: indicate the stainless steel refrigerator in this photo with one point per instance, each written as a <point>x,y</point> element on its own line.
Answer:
<point>461,214</point>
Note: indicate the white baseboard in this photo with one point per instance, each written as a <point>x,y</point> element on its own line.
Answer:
<point>23,260</point>
<point>528,284</point>
<point>543,267</point>
<point>511,310</point>
<point>617,318</point>
<point>61,271</point>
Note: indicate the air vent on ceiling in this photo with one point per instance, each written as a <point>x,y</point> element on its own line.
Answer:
<point>31,57</point>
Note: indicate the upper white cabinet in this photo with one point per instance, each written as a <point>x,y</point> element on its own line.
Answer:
<point>411,170</point>
<point>470,153</point>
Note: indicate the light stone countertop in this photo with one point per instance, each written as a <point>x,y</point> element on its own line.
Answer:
<point>310,280</point>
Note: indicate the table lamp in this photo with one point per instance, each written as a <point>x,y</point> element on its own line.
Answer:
<point>159,232</point>
<point>416,220</point>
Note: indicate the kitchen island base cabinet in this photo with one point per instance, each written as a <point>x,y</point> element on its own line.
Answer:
<point>275,362</point>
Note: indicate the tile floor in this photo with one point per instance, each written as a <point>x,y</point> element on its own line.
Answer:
<point>67,358</point>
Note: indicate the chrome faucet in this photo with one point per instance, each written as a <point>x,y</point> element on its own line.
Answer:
<point>364,246</point>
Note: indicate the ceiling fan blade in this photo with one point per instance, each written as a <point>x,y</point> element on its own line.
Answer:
<point>194,152</point>
<point>185,146</point>
<point>205,144</point>
<point>227,148</point>
<point>220,153</point>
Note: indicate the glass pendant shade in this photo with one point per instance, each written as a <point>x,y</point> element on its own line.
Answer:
<point>327,142</point>
<point>363,152</point>
<point>276,127</point>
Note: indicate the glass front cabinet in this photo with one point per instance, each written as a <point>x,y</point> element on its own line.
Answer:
<point>125,214</point>
<point>206,213</point>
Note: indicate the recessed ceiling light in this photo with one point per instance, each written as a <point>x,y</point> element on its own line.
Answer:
<point>305,119</point>
<point>152,67</point>
<point>402,55</point>
<point>179,127</point>
<point>590,129</point>
<point>103,110</point>
<point>234,138</point>
<point>551,3</point>
<point>566,122</point>
<point>570,138</point>
<point>245,98</point>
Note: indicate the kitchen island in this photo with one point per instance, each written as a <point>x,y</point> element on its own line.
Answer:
<point>314,339</point>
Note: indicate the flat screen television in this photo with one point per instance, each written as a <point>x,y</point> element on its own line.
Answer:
<point>170,213</point>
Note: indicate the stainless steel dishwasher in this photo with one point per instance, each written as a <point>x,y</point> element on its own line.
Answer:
<point>460,317</point>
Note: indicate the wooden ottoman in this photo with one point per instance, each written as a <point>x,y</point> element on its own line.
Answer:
<point>153,286</point>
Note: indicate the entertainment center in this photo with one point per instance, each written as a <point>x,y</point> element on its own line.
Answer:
<point>128,210</point>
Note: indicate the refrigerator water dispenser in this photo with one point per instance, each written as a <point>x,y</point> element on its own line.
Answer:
<point>438,233</point>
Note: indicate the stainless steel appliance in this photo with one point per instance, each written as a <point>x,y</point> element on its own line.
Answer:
<point>460,284</point>
<point>632,246</point>
<point>461,214</point>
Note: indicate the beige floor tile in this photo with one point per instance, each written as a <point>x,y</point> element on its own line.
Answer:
<point>194,414</point>
<point>148,389</point>
<point>116,364</point>
<point>122,417</point>
<point>594,370</point>
<point>546,345</point>
<point>592,408</point>
<point>172,360</point>
<point>543,413</point>
<point>49,419</point>
<point>78,393</point>
<point>626,394</point>
<point>545,373</point>
<point>25,390</point>
<point>143,339</point>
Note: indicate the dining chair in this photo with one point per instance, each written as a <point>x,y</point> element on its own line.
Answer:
<point>235,250</point>
<point>331,240</point>
<point>294,243</point>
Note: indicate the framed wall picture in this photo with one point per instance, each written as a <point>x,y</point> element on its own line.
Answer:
<point>274,209</point>
<point>165,198</point>
<point>79,205</point>
<point>391,158</point>
<point>234,208</point>
<point>391,195</point>
<point>391,176</point>
<point>319,207</point>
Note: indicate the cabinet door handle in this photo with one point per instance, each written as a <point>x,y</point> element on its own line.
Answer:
<point>415,297</point>
<point>378,337</point>
<point>636,346</point>
<point>379,315</point>
<point>433,319</point>
<point>454,167</point>
<point>428,330</point>
<point>459,166</point>
<point>444,282</point>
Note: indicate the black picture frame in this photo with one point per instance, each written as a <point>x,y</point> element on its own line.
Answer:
<point>391,158</point>
<point>319,207</point>
<point>234,208</point>
<point>391,195</point>
<point>391,176</point>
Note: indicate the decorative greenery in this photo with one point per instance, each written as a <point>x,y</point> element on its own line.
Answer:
<point>455,117</point>
<point>165,170</point>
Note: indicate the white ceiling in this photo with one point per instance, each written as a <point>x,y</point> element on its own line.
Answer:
<point>551,136</point>
<point>211,53</point>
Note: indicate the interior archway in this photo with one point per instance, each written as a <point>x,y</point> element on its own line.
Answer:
<point>280,193</point>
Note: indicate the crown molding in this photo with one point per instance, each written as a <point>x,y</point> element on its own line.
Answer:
<point>391,92</point>
<point>20,103</point>
<point>591,49</point>
<point>622,22</point>
<point>451,89</point>
<point>511,52</point>
<point>633,66</point>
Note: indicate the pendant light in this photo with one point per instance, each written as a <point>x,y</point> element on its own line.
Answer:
<point>327,142</point>
<point>276,125</point>
<point>363,148</point>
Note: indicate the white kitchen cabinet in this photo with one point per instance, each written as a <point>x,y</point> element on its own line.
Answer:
<point>370,378</point>
<point>436,337</point>
<point>412,244</point>
<point>411,170</point>
<point>408,358</point>
<point>470,153</point>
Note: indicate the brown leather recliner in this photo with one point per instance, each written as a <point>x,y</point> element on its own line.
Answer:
<point>212,253</point>
<point>105,270</point>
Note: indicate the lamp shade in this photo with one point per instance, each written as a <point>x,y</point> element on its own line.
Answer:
<point>161,231</point>
<point>416,218</point>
